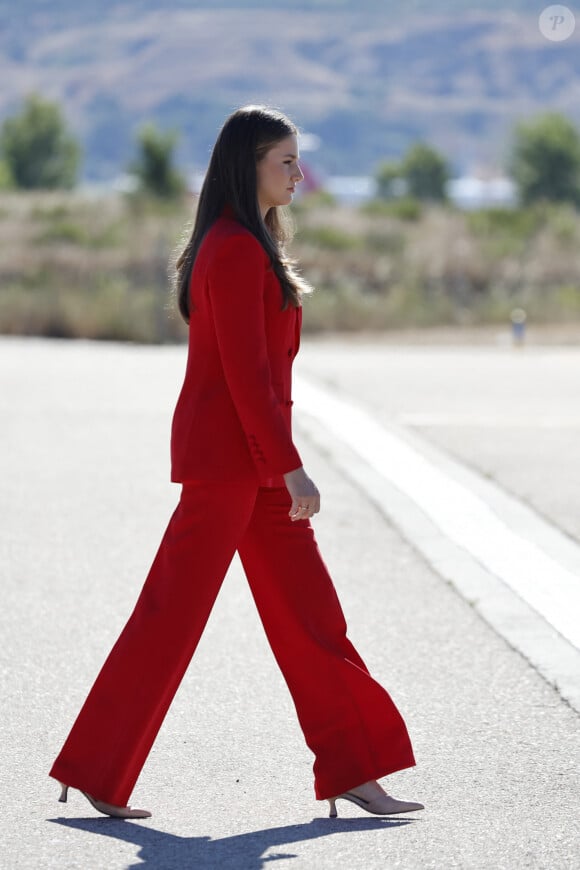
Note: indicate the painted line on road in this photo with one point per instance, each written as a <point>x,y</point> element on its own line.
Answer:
<point>520,572</point>
<point>500,421</point>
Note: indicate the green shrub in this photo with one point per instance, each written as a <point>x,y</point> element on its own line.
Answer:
<point>328,237</point>
<point>386,242</point>
<point>154,165</point>
<point>38,148</point>
<point>63,231</point>
<point>51,212</point>
<point>520,223</point>
<point>6,180</point>
<point>568,298</point>
<point>315,199</point>
<point>562,219</point>
<point>73,232</point>
<point>405,208</point>
<point>544,159</point>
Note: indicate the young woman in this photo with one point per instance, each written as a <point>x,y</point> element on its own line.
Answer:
<point>243,488</point>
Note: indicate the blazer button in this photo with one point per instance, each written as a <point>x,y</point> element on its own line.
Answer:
<point>289,351</point>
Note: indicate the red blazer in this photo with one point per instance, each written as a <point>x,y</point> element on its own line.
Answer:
<point>233,414</point>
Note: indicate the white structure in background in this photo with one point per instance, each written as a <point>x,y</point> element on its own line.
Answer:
<point>351,189</point>
<point>125,183</point>
<point>481,190</point>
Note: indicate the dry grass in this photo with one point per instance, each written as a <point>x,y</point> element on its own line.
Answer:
<point>73,266</point>
<point>98,268</point>
<point>446,267</point>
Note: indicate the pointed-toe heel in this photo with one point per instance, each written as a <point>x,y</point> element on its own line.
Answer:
<point>382,805</point>
<point>106,809</point>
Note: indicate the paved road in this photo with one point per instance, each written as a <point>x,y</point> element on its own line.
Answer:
<point>512,414</point>
<point>83,503</point>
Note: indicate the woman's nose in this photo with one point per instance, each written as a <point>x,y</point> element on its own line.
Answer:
<point>298,174</point>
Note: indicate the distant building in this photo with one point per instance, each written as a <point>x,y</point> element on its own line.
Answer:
<point>351,189</point>
<point>481,190</point>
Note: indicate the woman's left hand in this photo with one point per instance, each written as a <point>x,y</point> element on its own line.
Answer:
<point>305,496</point>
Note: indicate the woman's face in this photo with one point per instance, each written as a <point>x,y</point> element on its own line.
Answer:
<point>278,174</point>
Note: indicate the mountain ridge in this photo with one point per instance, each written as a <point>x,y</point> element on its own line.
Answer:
<point>368,84</point>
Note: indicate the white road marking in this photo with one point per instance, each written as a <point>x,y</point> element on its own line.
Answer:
<point>488,421</point>
<point>528,563</point>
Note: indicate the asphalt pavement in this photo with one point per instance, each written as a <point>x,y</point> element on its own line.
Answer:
<point>84,501</point>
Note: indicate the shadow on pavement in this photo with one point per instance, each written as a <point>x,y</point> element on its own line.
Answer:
<point>162,851</point>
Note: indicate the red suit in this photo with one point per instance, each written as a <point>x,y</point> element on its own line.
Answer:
<point>231,443</point>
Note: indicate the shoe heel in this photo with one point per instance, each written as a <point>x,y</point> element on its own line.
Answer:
<point>332,804</point>
<point>63,793</point>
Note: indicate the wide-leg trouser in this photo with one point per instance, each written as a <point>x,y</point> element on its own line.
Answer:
<point>349,721</point>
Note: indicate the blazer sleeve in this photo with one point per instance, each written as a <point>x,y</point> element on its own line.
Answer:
<point>236,293</point>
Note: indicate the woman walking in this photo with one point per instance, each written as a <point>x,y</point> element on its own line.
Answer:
<point>244,489</point>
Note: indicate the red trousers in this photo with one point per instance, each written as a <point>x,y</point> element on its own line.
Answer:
<point>349,721</point>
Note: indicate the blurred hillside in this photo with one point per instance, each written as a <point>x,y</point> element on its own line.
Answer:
<point>368,77</point>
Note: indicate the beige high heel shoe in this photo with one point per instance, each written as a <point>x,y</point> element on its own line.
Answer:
<point>106,809</point>
<point>382,805</point>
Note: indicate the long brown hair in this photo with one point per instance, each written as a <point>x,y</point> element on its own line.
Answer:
<point>231,179</point>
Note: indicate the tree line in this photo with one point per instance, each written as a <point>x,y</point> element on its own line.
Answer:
<point>543,161</point>
<point>37,151</point>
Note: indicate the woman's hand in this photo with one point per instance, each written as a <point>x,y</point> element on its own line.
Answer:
<point>305,496</point>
